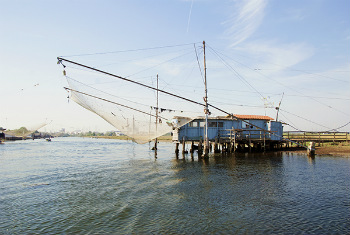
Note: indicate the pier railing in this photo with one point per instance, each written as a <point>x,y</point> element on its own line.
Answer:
<point>244,134</point>
<point>319,137</point>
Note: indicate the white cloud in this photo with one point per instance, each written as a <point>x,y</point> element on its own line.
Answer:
<point>245,20</point>
<point>278,55</point>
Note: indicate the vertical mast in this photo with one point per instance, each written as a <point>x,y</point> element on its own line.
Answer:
<point>206,110</point>
<point>156,140</point>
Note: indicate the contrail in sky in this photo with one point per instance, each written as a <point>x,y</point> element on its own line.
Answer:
<point>189,17</point>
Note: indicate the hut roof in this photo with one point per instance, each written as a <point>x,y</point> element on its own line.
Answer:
<point>253,117</point>
<point>240,116</point>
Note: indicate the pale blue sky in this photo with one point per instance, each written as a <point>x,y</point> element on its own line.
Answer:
<point>301,48</point>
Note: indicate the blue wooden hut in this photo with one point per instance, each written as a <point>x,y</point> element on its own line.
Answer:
<point>237,127</point>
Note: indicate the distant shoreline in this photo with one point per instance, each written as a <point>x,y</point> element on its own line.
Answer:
<point>124,137</point>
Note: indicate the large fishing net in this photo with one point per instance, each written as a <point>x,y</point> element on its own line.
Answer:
<point>139,121</point>
<point>25,131</point>
<point>138,109</point>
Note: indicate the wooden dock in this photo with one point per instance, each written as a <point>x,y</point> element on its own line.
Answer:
<point>232,140</point>
<point>260,141</point>
<point>317,137</point>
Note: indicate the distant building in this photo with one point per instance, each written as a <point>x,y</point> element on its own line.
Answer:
<point>119,133</point>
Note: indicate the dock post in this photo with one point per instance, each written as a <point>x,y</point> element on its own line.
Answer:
<point>200,149</point>
<point>250,146</point>
<point>232,147</point>
<point>319,139</point>
<point>234,142</point>
<point>264,141</point>
<point>177,148</point>
<point>311,149</point>
<point>216,146</point>
<point>184,145</point>
<point>192,147</point>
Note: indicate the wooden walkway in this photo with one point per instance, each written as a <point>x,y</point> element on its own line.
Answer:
<point>318,137</point>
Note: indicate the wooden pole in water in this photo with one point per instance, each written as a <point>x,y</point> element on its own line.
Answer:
<point>311,149</point>
<point>177,148</point>
<point>184,145</point>
<point>250,146</point>
<point>206,110</point>
<point>216,145</point>
<point>156,140</point>
<point>192,147</point>
<point>234,141</point>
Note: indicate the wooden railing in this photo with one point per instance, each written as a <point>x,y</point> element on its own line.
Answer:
<point>319,137</point>
<point>242,134</point>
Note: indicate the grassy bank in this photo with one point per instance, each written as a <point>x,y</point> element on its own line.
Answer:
<point>342,148</point>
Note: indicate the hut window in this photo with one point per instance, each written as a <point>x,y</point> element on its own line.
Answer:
<point>212,124</point>
<point>193,124</point>
<point>248,126</point>
<point>220,124</point>
<point>202,124</point>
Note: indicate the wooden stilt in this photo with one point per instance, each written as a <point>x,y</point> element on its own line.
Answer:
<point>192,147</point>
<point>184,146</point>
<point>249,145</point>
<point>177,148</point>
<point>216,150</point>
<point>200,148</point>
<point>311,149</point>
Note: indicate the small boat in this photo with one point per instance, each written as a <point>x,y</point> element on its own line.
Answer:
<point>48,139</point>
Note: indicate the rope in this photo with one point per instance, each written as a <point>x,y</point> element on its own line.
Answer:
<point>132,50</point>
<point>238,75</point>
<point>199,65</point>
<point>125,106</point>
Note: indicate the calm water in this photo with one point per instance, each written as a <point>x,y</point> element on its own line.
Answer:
<point>81,185</point>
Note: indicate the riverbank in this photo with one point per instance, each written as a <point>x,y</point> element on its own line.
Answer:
<point>166,138</point>
<point>340,149</point>
<point>329,149</point>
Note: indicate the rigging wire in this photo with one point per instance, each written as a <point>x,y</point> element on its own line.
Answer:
<point>60,59</point>
<point>293,125</point>
<point>164,109</point>
<point>267,93</point>
<point>67,77</point>
<point>335,129</point>
<point>257,71</point>
<point>298,70</point>
<point>131,50</point>
<point>304,118</point>
<point>199,65</point>
<point>235,71</point>
<point>140,58</point>
<point>109,101</point>
<point>158,64</point>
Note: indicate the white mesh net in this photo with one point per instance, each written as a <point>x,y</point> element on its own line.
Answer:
<point>137,120</point>
<point>133,108</point>
<point>25,131</point>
